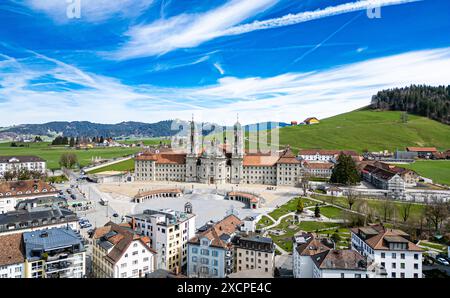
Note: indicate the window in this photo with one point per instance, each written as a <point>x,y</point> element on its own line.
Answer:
<point>215,253</point>
<point>123,275</point>
<point>416,266</point>
<point>416,256</point>
<point>416,275</point>
<point>393,274</point>
<point>402,275</point>
<point>342,275</point>
<point>383,255</point>
<point>394,265</point>
<point>123,265</point>
<point>135,262</point>
<point>402,256</point>
<point>194,259</point>
<point>402,265</point>
<point>357,275</point>
<point>394,255</point>
<point>194,250</point>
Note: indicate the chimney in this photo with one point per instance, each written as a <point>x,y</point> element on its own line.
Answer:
<point>133,223</point>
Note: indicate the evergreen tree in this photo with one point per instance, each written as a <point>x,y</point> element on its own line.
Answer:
<point>345,171</point>
<point>72,142</point>
<point>300,206</point>
<point>317,211</point>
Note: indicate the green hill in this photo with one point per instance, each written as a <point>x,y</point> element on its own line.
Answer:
<point>366,129</point>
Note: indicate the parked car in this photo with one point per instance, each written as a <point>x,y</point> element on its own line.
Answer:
<point>74,197</point>
<point>116,215</point>
<point>442,261</point>
<point>69,191</point>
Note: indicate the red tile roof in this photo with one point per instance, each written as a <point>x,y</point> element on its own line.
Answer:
<point>25,187</point>
<point>164,158</point>
<point>421,149</point>
<point>228,225</point>
<point>11,249</point>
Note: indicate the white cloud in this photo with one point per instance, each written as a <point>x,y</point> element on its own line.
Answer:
<point>219,68</point>
<point>293,19</point>
<point>26,98</point>
<point>191,30</point>
<point>91,10</point>
<point>187,30</point>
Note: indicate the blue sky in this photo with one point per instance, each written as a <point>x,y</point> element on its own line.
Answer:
<point>268,60</point>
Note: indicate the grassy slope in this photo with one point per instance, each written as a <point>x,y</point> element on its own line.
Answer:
<point>370,130</point>
<point>52,153</point>
<point>438,170</point>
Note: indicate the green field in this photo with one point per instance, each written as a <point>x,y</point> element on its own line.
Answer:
<point>123,166</point>
<point>365,129</point>
<point>438,170</point>
<point>147,142</point>
<point>52,153</point>
<point>331,212</point>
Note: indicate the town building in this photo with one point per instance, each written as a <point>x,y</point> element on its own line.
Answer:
<point>218,163</point>
<point>54,253</point>
<point>38,218</point>
<point>423,152</point>
<point>311,120</point>
<point>316,257</point>
<point>12,192</point>
<point>210,252</point>
<point>120,252</point>
<point>12,258</point>
<point>17,163</point>
<point>321,155</point>
<point>319,169</point>
<point>385,179</point>
<point>391,249</point>
<point>169,232</point>
<point>254,252</point>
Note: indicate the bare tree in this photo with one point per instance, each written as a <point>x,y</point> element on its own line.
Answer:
<point>405,210</point>
<point>304,183</point>
<point>436,212</point>
<point>352,197</point>
<point>387,208</point>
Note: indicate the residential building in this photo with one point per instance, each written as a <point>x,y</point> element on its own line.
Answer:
<point>391,249</point>
<point>254,252</point>
<point>218,163</point>
<point>384,179</point>
<point>12,192</point>
<point>38,218</point>
<point>311,120</point>
<point>210,252</point>
<point>120,252</point>
<point>423,152</point>
<point>54,253</point>
<point>12,258</point>
<point>169,232</point>
<point>315,257</point>
<point>17,163</point>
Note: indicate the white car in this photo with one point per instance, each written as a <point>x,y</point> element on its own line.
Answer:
<point>442,261</point>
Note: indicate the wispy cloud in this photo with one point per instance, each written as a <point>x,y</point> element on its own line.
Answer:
<point>191,30</point>
<point>187,30</point>
<point>219,68</point>
<point>39,89</point>
<point>91,10</point>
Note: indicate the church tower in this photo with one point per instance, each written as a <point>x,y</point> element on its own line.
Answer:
<point>237,157</point>
<point>192,153</point>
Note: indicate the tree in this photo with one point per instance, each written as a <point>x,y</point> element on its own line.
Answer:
<point>387,208</point>
<point>317,211</point>
<point>304,183</point>
<point>352,198</point>
<point>335,237</point>
<point>300,206</point>
<point>345,171</point>
<point>68,160</point>
<point>405,210</point>
<point>13,144</point>
<point>24,174</point>
<point>436,212</point>
<point>72,142</point>
<point>9,175</point>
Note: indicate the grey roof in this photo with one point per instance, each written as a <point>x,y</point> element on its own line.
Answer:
<point>35,216</point>
<point>23,158</point>
<point>48,201</point>
<point>258,239</point>
<point>51,239</point>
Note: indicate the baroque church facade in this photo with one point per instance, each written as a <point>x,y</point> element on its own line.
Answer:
<point>218,163</point>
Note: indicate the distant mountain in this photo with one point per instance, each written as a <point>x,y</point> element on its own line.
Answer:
<point>85,128</point>
<point>124,129</point>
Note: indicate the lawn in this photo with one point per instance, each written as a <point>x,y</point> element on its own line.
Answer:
<point>52,154</point>
<point>287,225</point>
<point>123,166</point>
<point>290,206</point>
<point>375,205</point>
<point>264,222</point>
<point>438,170</point>
<point>331,212</point>
<point>367,129</point>
<point>437,246</point>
